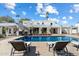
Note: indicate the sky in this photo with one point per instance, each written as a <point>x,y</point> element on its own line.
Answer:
<point>63,13</point>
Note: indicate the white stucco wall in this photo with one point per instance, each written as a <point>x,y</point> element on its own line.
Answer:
<point>74,31</point>
<point>0,30</point>
<point>77,25</point>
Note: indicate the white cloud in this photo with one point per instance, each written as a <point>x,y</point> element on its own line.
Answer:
<point>70,17</point>
<point>64,18</point>
<point>46,4</point>
<point>23,12</point>
<point>51,10</point>
<point>71,11</point>
<point>10,5</point>
<point>56,20</point>
<point>43,8</point>
<point>42,15</point>
<point>53,19</point>
<point>13,12</point>
<point>39,7</point>
<point>64,22</point>
<point>76,8</point>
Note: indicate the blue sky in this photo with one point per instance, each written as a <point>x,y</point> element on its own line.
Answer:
<point>63,13</point>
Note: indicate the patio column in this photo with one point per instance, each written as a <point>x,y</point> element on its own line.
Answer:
<point>60,30</point>
<point>40,30</point>
<point>17,32</point>
<point>77,30</point>
<point>12,32</point>
<point>48,30</point>
<point>7,32</point>
<point>70,30</point>
<point>0,30</point>
<point>29,31</point>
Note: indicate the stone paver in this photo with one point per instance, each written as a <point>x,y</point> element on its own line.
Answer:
<point>5,47</point>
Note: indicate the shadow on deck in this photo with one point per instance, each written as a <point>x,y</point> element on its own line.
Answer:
<point>32,52</point>
<point>65,53</point>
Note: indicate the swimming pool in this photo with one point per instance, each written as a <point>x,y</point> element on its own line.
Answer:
<point>47,38</point>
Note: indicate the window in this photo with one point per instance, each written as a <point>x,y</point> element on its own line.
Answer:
<point>38,23</point>
<point>42,23</point>
<point>9,30</point>
<point>51,23</point>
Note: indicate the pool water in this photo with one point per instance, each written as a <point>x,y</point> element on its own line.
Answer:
<point>47,38</point>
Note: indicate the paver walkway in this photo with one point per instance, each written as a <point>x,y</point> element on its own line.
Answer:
<point>5,47</point>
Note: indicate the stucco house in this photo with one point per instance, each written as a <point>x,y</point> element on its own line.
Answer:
<point>9,29</point>
<point>49,26</point>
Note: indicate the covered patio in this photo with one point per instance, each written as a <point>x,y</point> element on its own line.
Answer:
<point>9,29</point>
<point>53,30</point>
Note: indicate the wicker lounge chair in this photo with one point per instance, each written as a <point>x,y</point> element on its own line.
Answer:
<point>18,46</point>
<point>60,46</point>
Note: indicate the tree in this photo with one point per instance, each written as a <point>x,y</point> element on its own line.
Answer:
<point>25,19</point>
<point>6,19</point>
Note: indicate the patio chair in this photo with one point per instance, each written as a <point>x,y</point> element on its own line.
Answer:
<point>50,44</point>
<point>18,46</point>
<point>59,47</point>
<point>76,44</point>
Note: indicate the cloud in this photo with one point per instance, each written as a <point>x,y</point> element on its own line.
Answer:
<point>23,12</point>
<point>64,22</point>
<point>54,20</point>
<point>43,8</point>
<point>42,15</point>
<point>10,6</point>
<point>71,11</point>
<point>51,9</point>
<point>75,8</point>
<point>13,12</point>
<point>64,18</point>
<point>70,17</point>
<point>39,7</point>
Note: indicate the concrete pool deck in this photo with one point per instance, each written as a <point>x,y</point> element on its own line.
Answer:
<point>41,48</point>
<point>5,47</point>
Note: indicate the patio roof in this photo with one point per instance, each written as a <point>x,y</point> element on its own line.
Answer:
<point>8,24</point>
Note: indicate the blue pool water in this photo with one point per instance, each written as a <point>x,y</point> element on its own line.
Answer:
<point>47,38</point>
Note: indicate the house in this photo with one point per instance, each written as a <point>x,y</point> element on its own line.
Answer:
<point>9,29</point>
<point>49,26</point>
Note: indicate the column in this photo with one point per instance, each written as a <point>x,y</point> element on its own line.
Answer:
<point>7,32</point>
<point>48,30</point>
<point>77,30</point>
<point>17,32</point>
<point>0,30</point>
<point>60,30</point>
<point>29,31</point>
<point>12,32</point>
<point>40,32</point>
<point>70,30</point>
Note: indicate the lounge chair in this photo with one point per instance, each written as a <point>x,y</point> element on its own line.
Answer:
<point>28,45</point>
<point>76,44</point>
<point>50,44</point>
<point>59,46</point>
<point>18,46</point>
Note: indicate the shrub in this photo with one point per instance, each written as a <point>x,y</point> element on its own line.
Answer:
<point>2,36</point>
